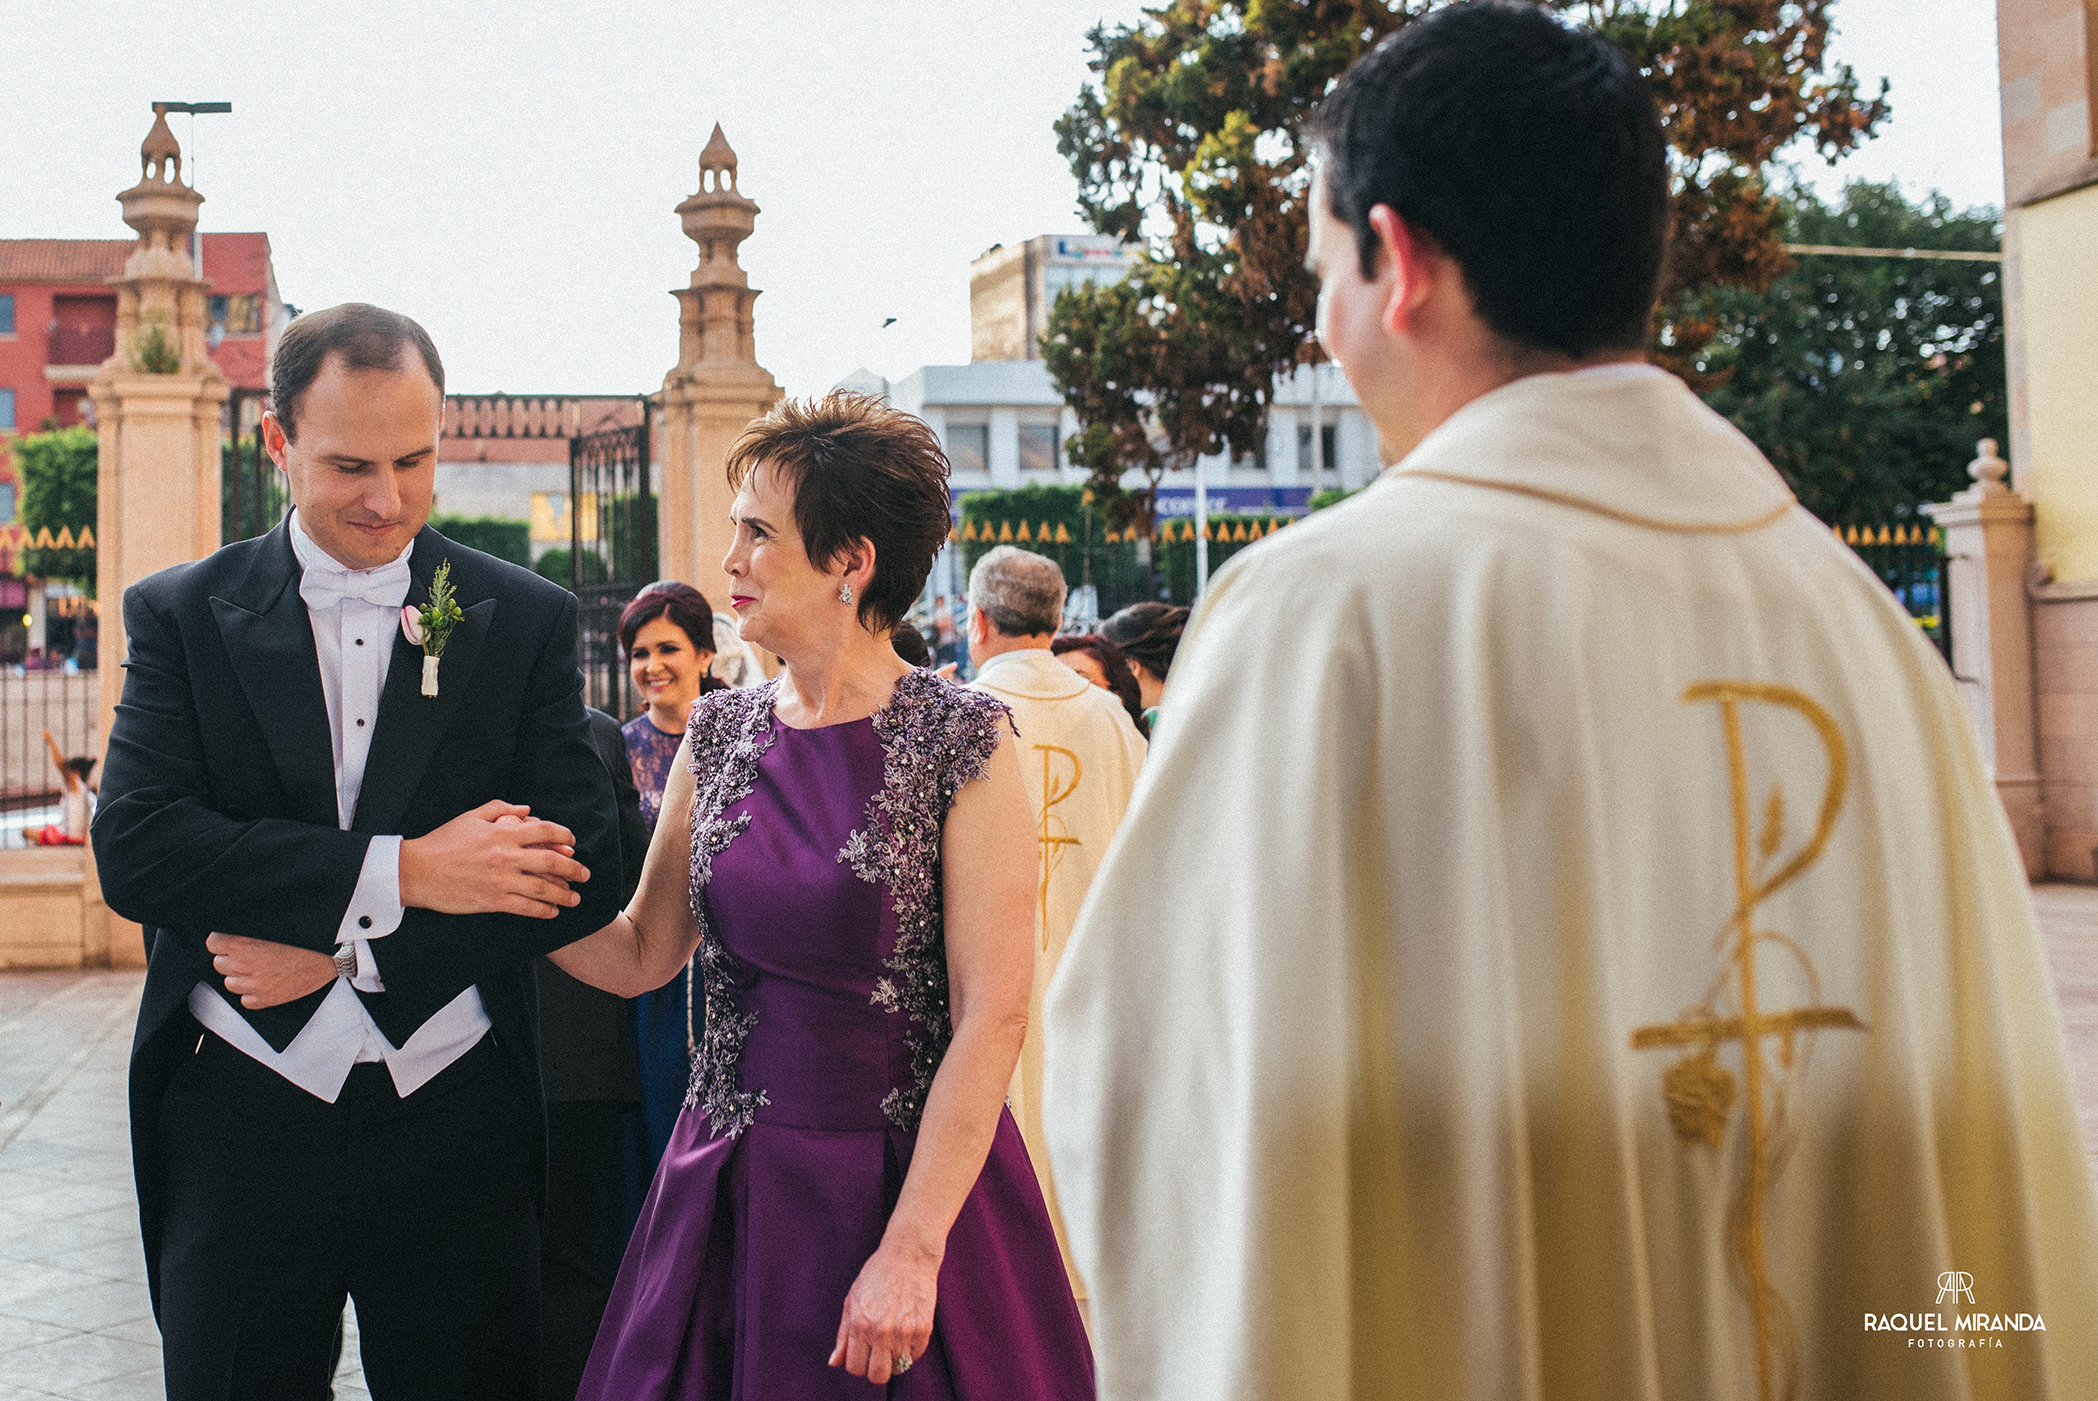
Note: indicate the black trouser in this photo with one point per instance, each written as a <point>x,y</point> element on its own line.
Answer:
<point>579,1252</point>
<point>279,1206</point>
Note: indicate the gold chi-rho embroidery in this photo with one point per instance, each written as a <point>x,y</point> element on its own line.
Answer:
<point>1699,1091</point>
<point>1052,832</point>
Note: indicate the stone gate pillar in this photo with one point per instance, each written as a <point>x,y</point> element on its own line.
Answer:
<point>157,407</point>
<point>718,386</point>
<point>1988,552</point>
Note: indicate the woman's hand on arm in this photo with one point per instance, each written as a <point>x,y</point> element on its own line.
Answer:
<point>989,875</point>
<point>654,937</point>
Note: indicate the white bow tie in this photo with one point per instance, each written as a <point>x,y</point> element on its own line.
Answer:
<point>386,586</point>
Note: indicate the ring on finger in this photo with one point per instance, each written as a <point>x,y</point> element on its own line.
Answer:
<point>902,1363</point>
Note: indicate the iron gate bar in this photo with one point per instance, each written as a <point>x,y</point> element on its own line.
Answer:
<point>608,478</point>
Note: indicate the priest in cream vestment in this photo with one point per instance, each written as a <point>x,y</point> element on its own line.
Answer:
<point>1079,753</point>
<point>1587,960</point>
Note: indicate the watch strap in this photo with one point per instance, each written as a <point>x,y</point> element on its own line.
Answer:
<point>346,960</point>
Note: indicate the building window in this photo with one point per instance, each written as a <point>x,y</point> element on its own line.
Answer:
<point>83,330</point>
<point>7,502</point>
<point>969,446</point>
<point>7,313</point>
<point>1037,447</point>
<point>1329,436</point>
<point>236,315</point>
<point>7,408</point>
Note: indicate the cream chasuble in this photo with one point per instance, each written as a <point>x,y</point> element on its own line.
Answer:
<point>1080,753</point>
<point>1585,961</point>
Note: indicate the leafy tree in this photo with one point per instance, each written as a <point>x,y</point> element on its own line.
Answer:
<point>1867,381</point>
<point>58,471</point>
<point>1190,142</point>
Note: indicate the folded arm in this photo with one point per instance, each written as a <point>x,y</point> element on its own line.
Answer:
<point>168,857</point>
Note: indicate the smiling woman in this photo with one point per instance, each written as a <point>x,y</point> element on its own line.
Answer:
<point>667,633</point>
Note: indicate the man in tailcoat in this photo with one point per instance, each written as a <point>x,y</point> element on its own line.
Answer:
<point>345,880</point>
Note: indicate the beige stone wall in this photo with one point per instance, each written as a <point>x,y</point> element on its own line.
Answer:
<point>2065,664</point>
<point>2057,258</point>
<point>52,915</point>
<point>998,305</point>
<point>2048,57</point>
<point>2047,54</point>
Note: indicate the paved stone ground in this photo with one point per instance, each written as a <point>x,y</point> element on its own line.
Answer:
<point>75,1322</point>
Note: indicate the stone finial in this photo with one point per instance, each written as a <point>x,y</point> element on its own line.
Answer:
<point>717,217</point>
<point>162,309</point>
<point>718,159</point>
<point>160,155</point>
<point>1987,469</point>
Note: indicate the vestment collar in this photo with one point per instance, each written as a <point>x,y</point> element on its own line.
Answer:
<point>1627,441</point>
<point>1032,673</point>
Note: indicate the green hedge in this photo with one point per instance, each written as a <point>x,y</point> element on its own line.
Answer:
<point>491,535</point>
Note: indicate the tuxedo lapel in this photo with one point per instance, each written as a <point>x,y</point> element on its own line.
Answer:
<point>270,643</point>
<point>411,724</point>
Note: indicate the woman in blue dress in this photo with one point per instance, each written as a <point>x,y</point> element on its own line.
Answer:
<point>667,633</point>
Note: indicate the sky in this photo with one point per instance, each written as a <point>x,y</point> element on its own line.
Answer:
<point>507,174</point>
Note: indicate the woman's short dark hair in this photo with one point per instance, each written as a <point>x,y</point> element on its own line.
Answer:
<point>1148,633</point>
<point>1120,679</point>
<point>684,606</point>
<point>1529,150</point>
<point>859,469</point>
<point>367,337</point>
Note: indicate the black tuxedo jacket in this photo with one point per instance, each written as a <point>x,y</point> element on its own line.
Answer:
<point>218,795</point>
<point>587,1051</point>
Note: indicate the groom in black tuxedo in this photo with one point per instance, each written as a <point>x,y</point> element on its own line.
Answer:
<point>344,882</point>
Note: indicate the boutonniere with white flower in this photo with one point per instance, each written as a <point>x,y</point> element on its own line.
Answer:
<point>430,626</point>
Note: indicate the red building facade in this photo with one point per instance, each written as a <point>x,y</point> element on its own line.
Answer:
<point>58,319</point>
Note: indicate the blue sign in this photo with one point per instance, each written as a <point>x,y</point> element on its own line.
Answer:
<point>1238,500</point>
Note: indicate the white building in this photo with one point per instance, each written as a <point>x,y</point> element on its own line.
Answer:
<point>1004,425</point>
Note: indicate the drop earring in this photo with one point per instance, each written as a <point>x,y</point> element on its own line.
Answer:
<point>845,594</point>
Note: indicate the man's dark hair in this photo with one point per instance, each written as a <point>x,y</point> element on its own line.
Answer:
<point>1529,150</point>
<point>367,337</point>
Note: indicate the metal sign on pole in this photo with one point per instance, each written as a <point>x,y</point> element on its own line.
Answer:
<point>1201,529</point>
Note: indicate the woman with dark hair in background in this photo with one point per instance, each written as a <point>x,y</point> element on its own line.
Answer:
<point>1149,635</point>
<point>667,633</point>
<point>851,851</point>
<point>1101,662</point>
<point>910,644</point>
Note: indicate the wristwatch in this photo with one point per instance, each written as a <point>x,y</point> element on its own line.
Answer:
<point>346,960</point>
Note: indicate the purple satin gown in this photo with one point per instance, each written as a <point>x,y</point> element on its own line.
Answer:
<point>816,885</point>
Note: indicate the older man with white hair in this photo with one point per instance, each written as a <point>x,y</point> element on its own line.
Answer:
<point>1080,753</point>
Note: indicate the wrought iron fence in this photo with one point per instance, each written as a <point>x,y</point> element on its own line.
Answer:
<point>612,553</point>
<point>1909,558</point>
<point>47,717</point>
<point>252,497</point>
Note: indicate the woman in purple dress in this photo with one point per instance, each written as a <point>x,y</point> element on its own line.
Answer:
<point>845,1195</point>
